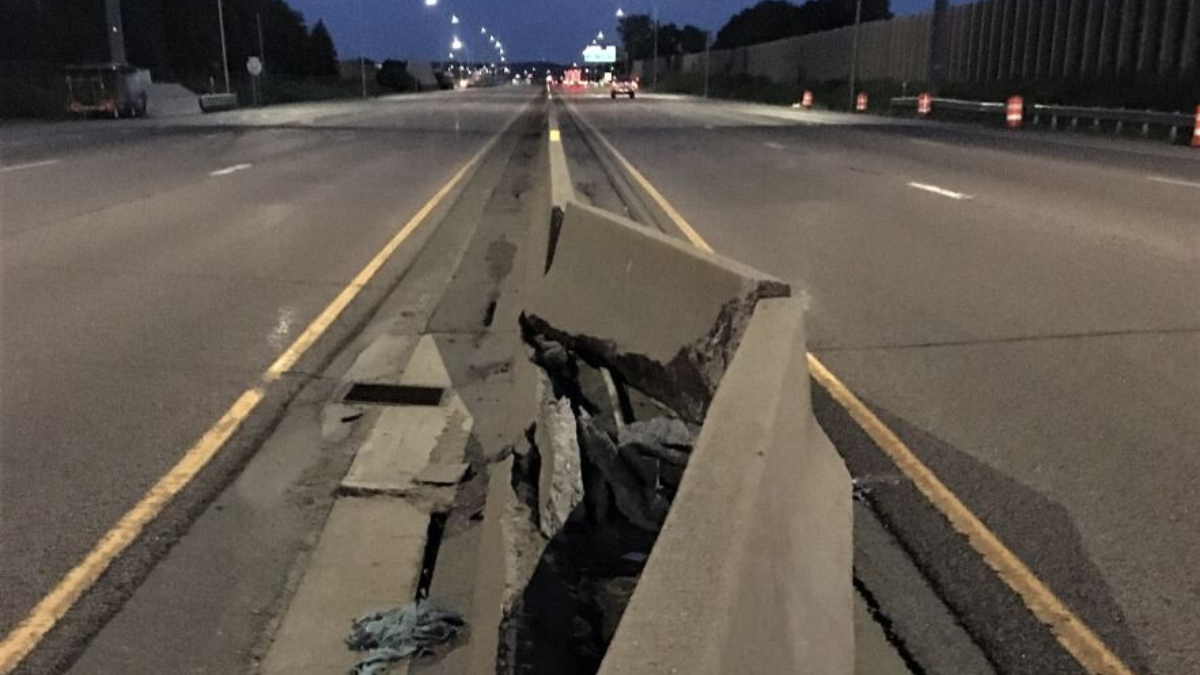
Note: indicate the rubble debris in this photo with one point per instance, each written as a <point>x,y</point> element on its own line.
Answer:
<point>599,397</point>
<point>644,511</point>
<point>640,407</point>
<point>598,469</point>
<point>686,383</point>
<point>391,635</point>
<point>560,483</point>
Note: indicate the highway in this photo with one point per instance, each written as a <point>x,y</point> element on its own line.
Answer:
<point>150,273</point>
<point>1021,309</point>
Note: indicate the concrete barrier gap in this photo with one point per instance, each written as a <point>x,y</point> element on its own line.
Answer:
<point>752,571</point>
<point>672,424</point>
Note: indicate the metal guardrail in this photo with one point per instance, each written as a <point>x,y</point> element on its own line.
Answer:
<point>1173,121</point>
<point>952,104</point>
<point>218,102</point>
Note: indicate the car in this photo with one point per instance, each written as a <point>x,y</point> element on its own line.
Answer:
<point>624,86</point>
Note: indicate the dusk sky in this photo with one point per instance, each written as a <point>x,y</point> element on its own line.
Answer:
<point>555,30</point>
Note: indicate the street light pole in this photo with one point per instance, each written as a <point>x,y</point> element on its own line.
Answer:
<point>707,58</point>
<point>854,52</point>
<point>655,81</point>
<point>224,51</point>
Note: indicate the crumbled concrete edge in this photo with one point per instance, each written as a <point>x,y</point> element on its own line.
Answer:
<point>688,382</point>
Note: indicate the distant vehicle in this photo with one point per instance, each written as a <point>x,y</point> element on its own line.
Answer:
<point>624,86</point>
<point>111,89</point>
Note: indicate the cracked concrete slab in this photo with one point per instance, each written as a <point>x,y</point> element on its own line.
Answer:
<point>369,557</point>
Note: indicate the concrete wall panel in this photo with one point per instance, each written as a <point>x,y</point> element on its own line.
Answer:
<point>1090,61</point>
<point>1151,31</point>
<point>1172,38</point>
<point>1032,31</point>
<point>1106,59</point>
<point>1007,22</point>
<point>1189,58</point>
<point>1128,36</point>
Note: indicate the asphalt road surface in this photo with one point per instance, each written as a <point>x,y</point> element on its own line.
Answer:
<point>1023,309</point>
<point>150,270</point>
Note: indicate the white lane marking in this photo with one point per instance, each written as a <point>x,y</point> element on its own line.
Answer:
<point>230,169</point>
<point>923,141</point>
<point>1173,181</point>
<point>31,165</point>
<point>940,191</point>
<point>774,146</point>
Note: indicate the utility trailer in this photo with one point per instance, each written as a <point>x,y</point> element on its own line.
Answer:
<point>109,89</point>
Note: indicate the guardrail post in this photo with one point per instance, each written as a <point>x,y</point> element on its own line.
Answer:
<point>1014,111</point>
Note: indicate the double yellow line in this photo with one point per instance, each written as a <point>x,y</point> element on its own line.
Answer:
<point>1072,633</point>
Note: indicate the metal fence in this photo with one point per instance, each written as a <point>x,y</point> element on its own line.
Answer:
<point>1117,119</point>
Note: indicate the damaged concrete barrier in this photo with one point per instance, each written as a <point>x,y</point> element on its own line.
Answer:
<point>666,315</point>
<point>752,570</point>
<point>713,532</point>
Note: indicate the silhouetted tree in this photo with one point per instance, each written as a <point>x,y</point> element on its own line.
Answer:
<point>776,19</point>
<point>321,53</point>
<point>181,36</point>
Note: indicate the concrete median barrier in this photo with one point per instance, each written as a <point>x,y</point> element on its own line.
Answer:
<point>752,571</point>
<point>701,521</point>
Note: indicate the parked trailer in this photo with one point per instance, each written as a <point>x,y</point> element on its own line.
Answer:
<point>110,89</point>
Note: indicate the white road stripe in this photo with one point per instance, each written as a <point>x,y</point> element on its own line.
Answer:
<point>924,141</point>
<point>940,191</point>
<point>1173,181</point>
<point>31,165</point>
<point>774,146</point>
<point>230,169</point>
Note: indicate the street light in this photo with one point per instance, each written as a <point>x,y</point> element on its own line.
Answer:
<point>431,3</point>
<point>620,13</point>
<point>456,45</point>
<point>454,19</point>
<point>483,30</point>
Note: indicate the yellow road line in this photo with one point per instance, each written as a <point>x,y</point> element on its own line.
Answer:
<point>1072,633</point>
<point>42,618</point>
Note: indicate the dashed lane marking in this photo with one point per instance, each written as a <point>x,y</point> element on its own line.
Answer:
<point>940,191</point>
<point>1173,181</point>
<point>30,165</point>
<point>230,169</point>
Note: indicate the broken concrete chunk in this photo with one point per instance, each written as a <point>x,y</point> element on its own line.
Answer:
<point>443,474</point>
<point>599,394</point>
<point>560,484</point>
<point>643,465</point>
<point>628,491</point>
<point>644,407</point>
<point>554,359</point>
<point>669,432</point>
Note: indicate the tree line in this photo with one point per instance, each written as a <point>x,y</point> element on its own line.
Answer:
<point>767,21</point>
<point>180,37</point>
